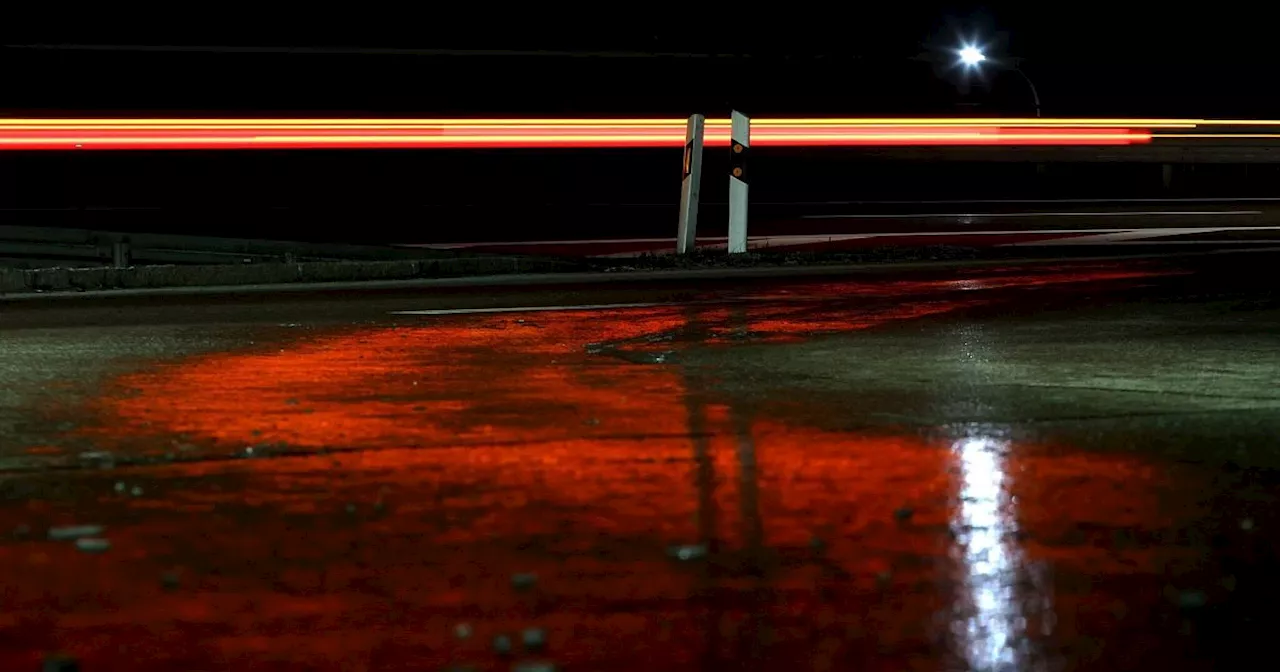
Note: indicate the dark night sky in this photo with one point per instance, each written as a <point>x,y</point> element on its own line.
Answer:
<point>813,60</point>
<point>610,60</point>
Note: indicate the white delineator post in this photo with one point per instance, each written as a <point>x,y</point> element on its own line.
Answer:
<point>690,186</point>
<point>740,146</point>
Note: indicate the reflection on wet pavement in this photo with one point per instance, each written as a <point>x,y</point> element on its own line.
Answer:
<point>396,496</point>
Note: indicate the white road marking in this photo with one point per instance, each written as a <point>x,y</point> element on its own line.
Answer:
<point>667,245</point>
<point>713,242</point>
<point>1051,201</point>
<point>603,241</point>
<point>533,309</point>
<point>1162,242</point>
<point>836,237</point>
<point>1006,215</point>
<point>1142,234</point>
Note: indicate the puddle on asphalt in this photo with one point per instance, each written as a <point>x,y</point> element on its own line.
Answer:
<point>396,498</point>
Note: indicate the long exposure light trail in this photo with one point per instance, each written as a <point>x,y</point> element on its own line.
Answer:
<point>826,121</point>
<point>353,133</point>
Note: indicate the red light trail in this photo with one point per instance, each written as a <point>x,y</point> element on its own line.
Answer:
<point>155,134</point>
<point>240,134</point>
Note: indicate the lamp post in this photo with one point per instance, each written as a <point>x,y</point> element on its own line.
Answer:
<point>971,57</point>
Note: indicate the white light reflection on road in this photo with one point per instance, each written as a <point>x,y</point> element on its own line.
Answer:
<point>989,624</point>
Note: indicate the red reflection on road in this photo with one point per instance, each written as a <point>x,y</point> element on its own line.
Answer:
<point>467,379</point>
<point>494,380</point>
<point>489,446</point>
<point>274,569</point>
<point>463,380</point>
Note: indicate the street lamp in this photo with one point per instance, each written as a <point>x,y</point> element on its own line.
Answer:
<point>971,56</point>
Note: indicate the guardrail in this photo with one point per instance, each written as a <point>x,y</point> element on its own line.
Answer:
<point>33,247</point>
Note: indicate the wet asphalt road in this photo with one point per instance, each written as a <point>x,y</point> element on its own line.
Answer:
<point>1055,466</point>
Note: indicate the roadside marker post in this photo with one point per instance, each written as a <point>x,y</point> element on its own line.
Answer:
<point>740,146</point>
<point>121,255</point>
<point>691,185</point>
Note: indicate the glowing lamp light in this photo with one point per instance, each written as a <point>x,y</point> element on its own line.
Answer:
<point>970,56</point>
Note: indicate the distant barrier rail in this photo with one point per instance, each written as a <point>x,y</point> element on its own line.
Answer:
<point>33,247</point>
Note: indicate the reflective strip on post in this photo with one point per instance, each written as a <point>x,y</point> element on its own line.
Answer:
<point>740,147</point>
<point>690,185</point>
